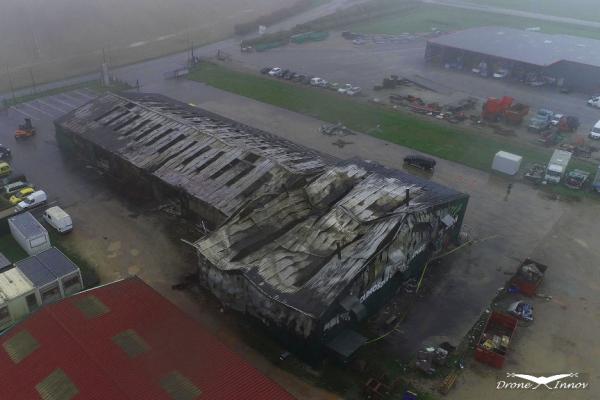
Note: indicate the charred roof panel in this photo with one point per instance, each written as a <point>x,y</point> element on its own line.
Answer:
<point>214,159</point>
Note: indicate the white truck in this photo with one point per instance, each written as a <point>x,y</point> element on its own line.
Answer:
<point>557,166</point>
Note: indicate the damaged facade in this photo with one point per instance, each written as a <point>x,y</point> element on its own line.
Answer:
<point>307,244</point>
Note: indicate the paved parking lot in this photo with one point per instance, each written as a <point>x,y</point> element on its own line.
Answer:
<point>52,106</point>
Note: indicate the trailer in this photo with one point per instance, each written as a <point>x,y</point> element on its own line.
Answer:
<point>507,163</point>
<point>528,278</point>
<point>492,347</point>
<point>557,166</point>
<point>29,233</point>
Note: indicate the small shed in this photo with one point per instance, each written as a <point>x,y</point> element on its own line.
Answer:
<point>29,233</point>
<point>53,275</point>
<point>17,297</point>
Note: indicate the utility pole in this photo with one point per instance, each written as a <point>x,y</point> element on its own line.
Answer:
<point>32,80</point>
<point>10,83</point>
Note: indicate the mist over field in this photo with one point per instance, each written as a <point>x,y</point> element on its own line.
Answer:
<point>63,37</point>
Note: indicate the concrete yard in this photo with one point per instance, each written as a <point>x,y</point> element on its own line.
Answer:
<point>527,224</point>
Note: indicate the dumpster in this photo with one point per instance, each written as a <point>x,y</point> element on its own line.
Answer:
<point>528,277</point>
<point>492,347</point>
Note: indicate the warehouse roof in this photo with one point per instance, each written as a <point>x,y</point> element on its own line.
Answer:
<point>46,267</point>
<point>287,244</point>
<point>27,224</point>
<point>13,284</point>
<point>212,158</point>
<point>535,48</point>
<point>123,341</point>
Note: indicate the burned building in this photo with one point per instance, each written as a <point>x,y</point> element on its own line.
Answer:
<point>307,244</point>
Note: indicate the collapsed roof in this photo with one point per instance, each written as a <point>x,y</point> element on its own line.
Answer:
<point>213,159</point>
<point>304,246</point>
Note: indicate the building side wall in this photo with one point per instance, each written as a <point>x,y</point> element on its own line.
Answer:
<point>136,182</point>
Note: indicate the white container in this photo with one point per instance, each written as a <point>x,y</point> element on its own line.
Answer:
<point>507,163</point>
<point>17,297</point>
<point>57,218</point>
<point>29,233</point>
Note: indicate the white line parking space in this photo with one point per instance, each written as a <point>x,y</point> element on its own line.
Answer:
<point>49,107</point>
<point>37,109</point>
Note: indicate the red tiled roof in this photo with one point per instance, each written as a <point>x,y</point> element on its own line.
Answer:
<point>100,369</point>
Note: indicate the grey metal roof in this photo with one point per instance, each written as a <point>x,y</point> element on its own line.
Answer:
<point>35,271</point>
<point>56,262</point>
<point>46,267</point>
<point>535,48</point>
<point>28,225</point>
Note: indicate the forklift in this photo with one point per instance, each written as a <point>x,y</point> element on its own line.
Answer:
<point>26,130</point>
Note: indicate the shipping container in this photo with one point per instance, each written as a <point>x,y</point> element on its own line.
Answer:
<point>53,275</point>
<point>17,297</point>
<point>29,233</point>
<point>507,163</point>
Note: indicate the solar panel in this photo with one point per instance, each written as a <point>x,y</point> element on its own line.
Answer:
<point>20,346</point>
<point>91,306</point>
<point>131,343</point>
<point>57,386</point>
<point>179,387</point>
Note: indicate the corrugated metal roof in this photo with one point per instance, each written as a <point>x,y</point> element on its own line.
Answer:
<point>28,225</point>
<point>94,365</point>
<point>535,48</point>
<point>13,283</point>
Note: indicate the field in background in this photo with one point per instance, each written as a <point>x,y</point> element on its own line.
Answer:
<point>432,17</point>
<point>65,38</point>
<point>580,9</point>
<point>439,139</point>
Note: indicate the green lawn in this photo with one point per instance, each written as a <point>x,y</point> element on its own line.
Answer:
<point>428,17</point>
<point>436,138</point>
<point>11,249</point>
<point>580,9</point>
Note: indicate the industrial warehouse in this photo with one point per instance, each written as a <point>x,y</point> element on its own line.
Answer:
<point>307,244</point>
<point>526,55</point>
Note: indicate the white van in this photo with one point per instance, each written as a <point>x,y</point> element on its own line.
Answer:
<point>57,218</point>
<point>595,132</point>
<point>34,199</point>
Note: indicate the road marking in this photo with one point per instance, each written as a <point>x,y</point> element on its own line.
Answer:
<point>39,110</point>
<point>73,98</point>
<point>52,106</point>
<point>86,94</point>
<point>56,98</point>
<point>21,112</point>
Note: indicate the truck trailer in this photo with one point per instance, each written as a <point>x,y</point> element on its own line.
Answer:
<point>29,233</point>
<point>557,166</point>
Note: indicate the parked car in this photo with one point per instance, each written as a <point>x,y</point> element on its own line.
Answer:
<point>419,161</point>
<point>344,88</point>
<point>316,81</point>
<point>275,72</point>
<point>284,73</point>
<point>354,91</point>
<point>595,132</point>
<point>5,169</point>
<point>14,187</point>
<point>501,73</point>
<point>19,195</point>
<point>291,76</point>
<point>33,200</point>
<point>265,70</point>
<point>556,119</point>
<point>5,153</point>
<point>57,218</point>
<point>594,102</point>
<point>541,120</point>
